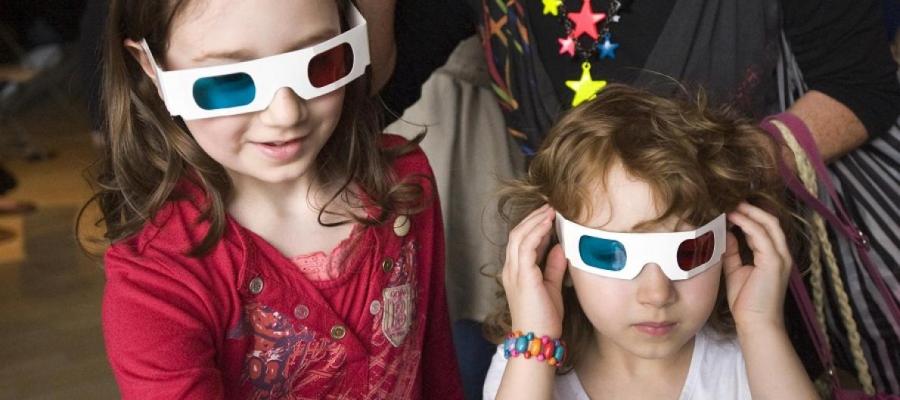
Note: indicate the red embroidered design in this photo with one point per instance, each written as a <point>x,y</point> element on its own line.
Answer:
<point>405,266</point>
<point>273,341</point>
<point>398,312</point>
<point>394,367</point>
<point>320,266</point>
<point>284,360</point>
<point>398,299</point>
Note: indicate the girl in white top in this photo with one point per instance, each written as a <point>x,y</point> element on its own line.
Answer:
<point>661,301</point>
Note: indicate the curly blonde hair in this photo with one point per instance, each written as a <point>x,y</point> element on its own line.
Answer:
<point>698,161</point>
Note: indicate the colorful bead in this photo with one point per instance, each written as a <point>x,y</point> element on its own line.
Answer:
<point>534,347</point>
<point>509,345</point>
<point>543,348</point>
<point>521,344</point>
<point>549,347</point>
<point>560,352</point>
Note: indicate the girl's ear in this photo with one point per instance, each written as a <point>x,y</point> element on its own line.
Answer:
<point>136,51</point>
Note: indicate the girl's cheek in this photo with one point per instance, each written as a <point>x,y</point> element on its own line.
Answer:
<point>601,296</point>
<point>701,291</point>
<point>330,106</point>
<point>219,131</point>
<point>227,123</point>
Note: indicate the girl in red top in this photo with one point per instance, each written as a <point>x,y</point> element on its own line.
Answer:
<point>267,240</point>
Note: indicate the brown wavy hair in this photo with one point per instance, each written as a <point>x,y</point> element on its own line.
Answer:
<point>698,161</point>
<point>148,152</point>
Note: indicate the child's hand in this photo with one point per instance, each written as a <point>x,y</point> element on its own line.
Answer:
<point>756,292</point>
<point>535,298</point>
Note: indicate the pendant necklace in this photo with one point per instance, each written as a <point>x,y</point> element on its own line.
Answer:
<point>576,25</point>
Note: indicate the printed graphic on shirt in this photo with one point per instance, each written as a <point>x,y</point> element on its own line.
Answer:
<point>397,318</point>
<point>397,337</point>
<point>284,358</point>
<point>398,299</point>
<point>394,370</point>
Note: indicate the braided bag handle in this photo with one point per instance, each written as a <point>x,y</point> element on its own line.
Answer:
<point>789,130</point>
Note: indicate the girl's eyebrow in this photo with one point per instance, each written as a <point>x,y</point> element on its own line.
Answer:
<point>244,54</point>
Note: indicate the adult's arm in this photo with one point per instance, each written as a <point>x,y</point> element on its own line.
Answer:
<point>842,50</point>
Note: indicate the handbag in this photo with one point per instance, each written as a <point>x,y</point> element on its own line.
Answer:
<point>787,129</point>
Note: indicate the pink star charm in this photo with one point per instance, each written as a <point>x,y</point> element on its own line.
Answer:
<point>567,45</point>
<point>586,21</point>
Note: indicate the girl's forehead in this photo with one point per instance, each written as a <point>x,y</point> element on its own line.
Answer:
<point>209,32</point>
<point>625,203</point>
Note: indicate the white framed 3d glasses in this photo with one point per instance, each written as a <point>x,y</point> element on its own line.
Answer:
<point>250,86</point>
<point>681,255</point>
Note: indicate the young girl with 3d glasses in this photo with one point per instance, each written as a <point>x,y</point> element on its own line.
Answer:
<point>640,191</point>
<point>267,240</point>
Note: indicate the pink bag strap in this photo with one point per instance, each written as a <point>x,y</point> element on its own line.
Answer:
<point>808,313</point>
<point>840,221</point>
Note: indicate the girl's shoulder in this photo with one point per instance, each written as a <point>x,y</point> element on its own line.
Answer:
<point>412,161</point>
<point>165,242</point>
<point>153,276</point>
<point>174,225</point>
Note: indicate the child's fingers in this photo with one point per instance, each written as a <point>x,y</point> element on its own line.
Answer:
<point>511,268</point>
<point>528,248</point>
<point>731,260</point>
<point>555,269</point>
<point>764,252</point>
<point>772,226</point>
<point>524,226</point>
<point>736,273</point>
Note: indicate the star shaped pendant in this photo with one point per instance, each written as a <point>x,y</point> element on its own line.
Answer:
<point>586,21</point>
<point>551,7</point>
<point>607,48</point>
<point>567,45</point>
<point>586,87</point>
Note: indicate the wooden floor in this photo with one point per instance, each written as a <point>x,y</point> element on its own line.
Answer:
<point>51,345</point>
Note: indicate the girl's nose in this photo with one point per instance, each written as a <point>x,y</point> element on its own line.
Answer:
<point>285,110</point>
<point>654,287</point>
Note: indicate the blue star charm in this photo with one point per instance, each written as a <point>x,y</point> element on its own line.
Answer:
<point>607,48</point>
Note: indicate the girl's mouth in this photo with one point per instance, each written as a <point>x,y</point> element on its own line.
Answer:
<point>655,328</point>
<point>280,150</point>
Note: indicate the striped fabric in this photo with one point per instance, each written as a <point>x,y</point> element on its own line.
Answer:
<point>868,181</point>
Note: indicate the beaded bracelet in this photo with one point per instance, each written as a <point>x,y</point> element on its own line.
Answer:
<point>543,349</point>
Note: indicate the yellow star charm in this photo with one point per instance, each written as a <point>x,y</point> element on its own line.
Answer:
<point>552,7</point>
<point>586,87</point>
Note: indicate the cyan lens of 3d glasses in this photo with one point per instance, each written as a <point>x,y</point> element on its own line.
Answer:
<point>602,253</point>
<point>224,91</point>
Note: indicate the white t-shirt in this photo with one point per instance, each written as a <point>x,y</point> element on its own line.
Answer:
<point>717,372</point>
